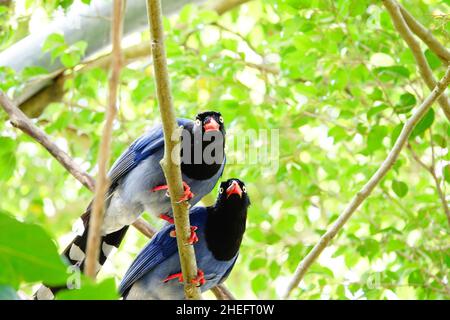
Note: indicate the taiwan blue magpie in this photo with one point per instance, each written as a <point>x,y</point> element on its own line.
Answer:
<point>137,183</point>
<point>156,271</point>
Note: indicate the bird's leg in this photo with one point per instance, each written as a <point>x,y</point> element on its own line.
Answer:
<point>199,280</point>
<point>167,218</point>
<point>188,195</point>
<point>193,239</point>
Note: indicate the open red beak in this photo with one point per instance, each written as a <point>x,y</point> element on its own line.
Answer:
<point>211,125</point>
<point>234,189</point>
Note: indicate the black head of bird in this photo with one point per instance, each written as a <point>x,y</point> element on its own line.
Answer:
<point>209,122</point>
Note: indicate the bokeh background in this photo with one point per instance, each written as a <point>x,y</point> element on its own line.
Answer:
<point>336,80</point>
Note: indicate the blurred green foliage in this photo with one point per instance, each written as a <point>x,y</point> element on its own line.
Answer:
<point>337,81</point>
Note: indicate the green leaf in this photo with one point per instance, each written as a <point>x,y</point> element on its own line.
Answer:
<point>70,59</point>
<point>375,110</point>
<point>27,253</point>
<point>53,41</point>
<point>415,278</point>
<point>30,72</point>
<point>369,248</point>
<point>105,290</point>
<point>259,283</point>
<point>432,59</point>
<point>395,245</point>
<point>7,166</point>
<point>65,3</point>
<point>392,72</point>
<point>423,124</point>
<point>440,140</point>
<point>400,188</point>
<point>257,263</point>
<point>80,46</point>
<point>318,269</point>
<point>375,138</point>
<point>7,161</point>
<point>396,132</point>
<point>338,133</point>
<point>446,173</point>
<point>274,270</point>
<point>406,103</point>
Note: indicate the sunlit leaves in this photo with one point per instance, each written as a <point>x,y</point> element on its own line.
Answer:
<point>423,124</point>
<point>446,173</point>
<point>406,102</point>
<point>70,56</point>
<point>25,248</point>
<point>259,283</point>
<point>7,157</point>
<point>432,59</point>
<point>400,188</point>
<point>375,138</point>
<point>339,83</point>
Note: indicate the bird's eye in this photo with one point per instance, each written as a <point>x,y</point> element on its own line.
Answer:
<point>244,189</point>
<point>198,122</point>
<point>221,190</point>
<point>221,119</point>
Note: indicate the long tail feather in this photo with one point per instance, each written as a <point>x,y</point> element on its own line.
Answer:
<point>75,253</point>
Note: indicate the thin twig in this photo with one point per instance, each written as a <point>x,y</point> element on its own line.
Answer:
<point>425,70</point>
<point>432,171</point>
<point>362,195</point>
<point>171,160</point>
<point>96,219</point>
<point>19,120</point>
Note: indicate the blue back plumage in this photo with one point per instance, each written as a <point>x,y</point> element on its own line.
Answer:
<point>159,259</point>
<point>139,150</point>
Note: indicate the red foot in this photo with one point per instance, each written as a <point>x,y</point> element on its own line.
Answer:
<point>187,191</point>
<point>199,280</point>
<point>193,239</point>
<point>167,218</point>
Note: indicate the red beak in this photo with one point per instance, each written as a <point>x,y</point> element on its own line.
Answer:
<point>234,189</point>
<point>211,125</point>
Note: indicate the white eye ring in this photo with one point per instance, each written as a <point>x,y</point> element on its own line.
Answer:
<point>221,190</point>
<point>198,122</point>
<point>244,189</point>
<point>221,119</point>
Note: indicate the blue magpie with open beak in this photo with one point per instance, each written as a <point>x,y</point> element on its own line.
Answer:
<point>138,184</point>
<point>156,271</point>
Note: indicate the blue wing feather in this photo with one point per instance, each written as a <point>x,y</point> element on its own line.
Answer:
<point>160,248</point>
<point>139,150</point>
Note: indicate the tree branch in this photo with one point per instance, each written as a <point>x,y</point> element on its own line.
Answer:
<point>19,120</point>
<point>431,170</point>
<point>426,36</point>
<point>222,293</point>
<point>369,186</point>
<point>226,5</point>
<point>96,219</point>
<point>171,161</point>
<point>54,90</point>
<point>425,70</point>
